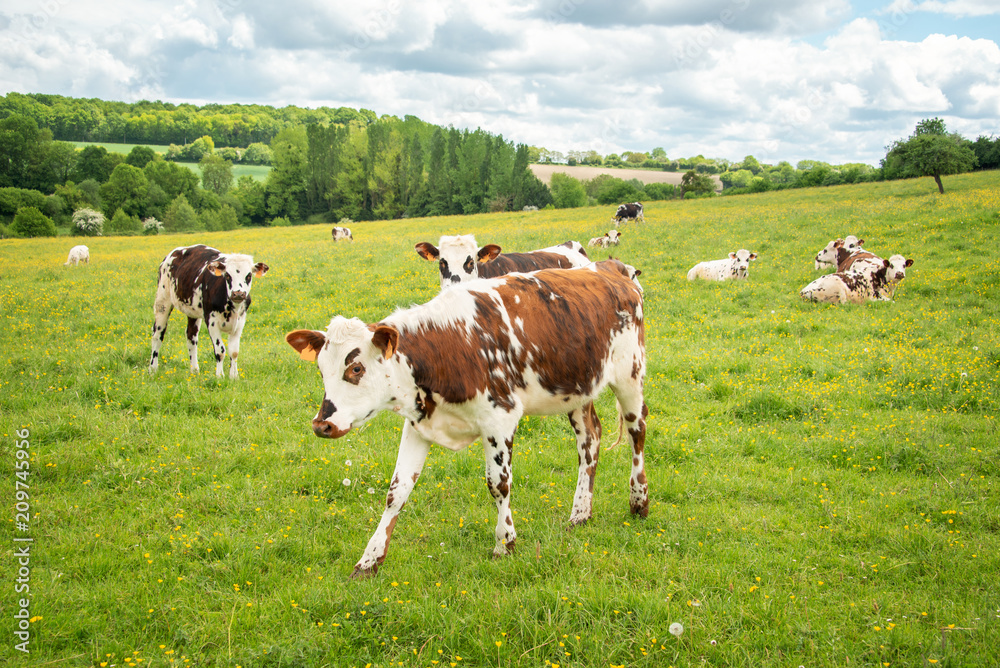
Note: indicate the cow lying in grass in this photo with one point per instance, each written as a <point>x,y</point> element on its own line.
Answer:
<point>735,267</point>
<point>471,362</point>
<point>869,279</point>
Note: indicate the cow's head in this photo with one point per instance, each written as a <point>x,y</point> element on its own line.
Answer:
<point>350,356</point>
<point>458,257</point>
<point>828,256</point>
<point>612,236</point>
<point>896,268</point>
<point>239,271</point>
<point>741,261</point>
<point>852,243</point>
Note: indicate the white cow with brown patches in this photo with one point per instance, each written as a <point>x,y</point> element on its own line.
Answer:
<point>735,267</point>
<point>867,279</point>
<point>836,251</point>
<point>461,259</point>
<point>204,284</point>
<point>610,238</point>
<point>471,362</point>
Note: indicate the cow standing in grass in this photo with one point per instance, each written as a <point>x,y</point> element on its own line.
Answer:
<point>204,284</point>
<point>471,362</point>
<point>77,254</point>
<point>461,259</point>
<point>341,234</point>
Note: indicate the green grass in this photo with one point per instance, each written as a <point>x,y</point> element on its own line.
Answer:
<point>822,479</point>
<point>259,172</point>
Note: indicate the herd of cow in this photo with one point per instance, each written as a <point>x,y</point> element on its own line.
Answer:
<point>509,335</point>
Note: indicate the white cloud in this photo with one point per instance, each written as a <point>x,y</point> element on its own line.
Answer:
<point>242,33</point>
<point>961,8</point>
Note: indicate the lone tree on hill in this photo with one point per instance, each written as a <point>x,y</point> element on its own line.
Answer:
<point>930,151</point>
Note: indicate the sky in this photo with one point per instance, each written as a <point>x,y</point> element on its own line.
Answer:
<point>829,80</point>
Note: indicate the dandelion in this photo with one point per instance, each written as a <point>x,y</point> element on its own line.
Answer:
<point>347,482</point>
<point>347,463</point>
<point>676,629</point>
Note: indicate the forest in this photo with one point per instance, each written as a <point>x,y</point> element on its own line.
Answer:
<point>329,165</point>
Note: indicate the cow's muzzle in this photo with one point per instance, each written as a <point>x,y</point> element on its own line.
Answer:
<point>326,429</point>
<point>238,296</point>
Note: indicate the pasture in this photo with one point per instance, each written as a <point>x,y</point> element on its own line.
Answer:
<point>823,480</point>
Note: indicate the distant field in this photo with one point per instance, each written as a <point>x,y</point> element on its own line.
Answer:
<point>823,480</point>
<point>258,172</point>
<point>585,172</point>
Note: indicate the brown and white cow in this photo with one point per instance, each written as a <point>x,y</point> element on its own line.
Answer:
<point>341,233</point>
<point>867,279</point>
<point>471,362</point>
<point>610,238</point>
<point>735,267</point>
<point>836,252</point>
<point>204,284</point>
<point>461,259</point>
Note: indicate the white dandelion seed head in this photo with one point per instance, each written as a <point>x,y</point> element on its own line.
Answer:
<point>371,490</point>
<point>347,463</point>
<point>347,482</point>
<point>676,629</point>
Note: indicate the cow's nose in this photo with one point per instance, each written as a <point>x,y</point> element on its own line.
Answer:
<point>238,296</point>
<point>326,429</point>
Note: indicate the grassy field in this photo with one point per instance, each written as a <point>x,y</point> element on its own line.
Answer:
<point>258,172</point>
<point>823,480</point>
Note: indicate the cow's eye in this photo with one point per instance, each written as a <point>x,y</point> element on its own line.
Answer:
<point>354,373</point>
<point>249,278</point>
<point>469,265</point>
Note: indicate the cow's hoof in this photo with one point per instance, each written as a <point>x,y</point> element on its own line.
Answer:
<point>642,509</point>
<point>502,551</point>
<point>364,573</point>
<point>577,521</point>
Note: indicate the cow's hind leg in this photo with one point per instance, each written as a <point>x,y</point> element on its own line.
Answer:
<point>633,413</point>
<point>194,324</point>
<point>161,318</point>
<point>498,447</point>
<point>413,450</point>
<point>587,428</point>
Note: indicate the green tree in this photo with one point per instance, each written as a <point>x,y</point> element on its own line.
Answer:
<point>94,162</point>
<point>180,216</point>
<point>30,222</point>
<point>123,224</point>
<point>567,192</point>
<point>126,189</point>
<point>696,184</point>
<point>252,198</point>
<point>140,156</point>
<point>929,151</point>
<point>286,183</point>
<point>216,174</point>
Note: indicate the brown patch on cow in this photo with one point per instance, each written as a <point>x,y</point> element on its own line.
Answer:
<point>186,270</point>
<point>506,263</point>
<point>846,258</point>
<point>355,371</point>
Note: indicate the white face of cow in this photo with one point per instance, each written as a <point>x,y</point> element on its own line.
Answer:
<point>897,268</point>
<point>613,236</point>
<point>239,271</point>
<point>828,256</point>
<point>458,257</point>
<point>741,262</point>
<point>351,360</point>
<point>852,243</point>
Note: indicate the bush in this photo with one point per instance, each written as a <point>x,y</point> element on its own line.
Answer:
<point>88,223</point>
<point>567,192</point>
<point>659,191</point>
<point>151,226</point>
<point>30,222</point>
<point>280,221</point>
<point>180,216</point>
<point>123,224</point>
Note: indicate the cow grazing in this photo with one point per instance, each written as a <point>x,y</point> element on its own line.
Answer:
<point>868,279</point>
<point>78,254</point>
<point>471,362</point>
<point>341,233</point>
<point>835,252</point>
<point>204,284</point>
<point>627,212</point>
<point>610,238</point>
<point>461,259</point>
<point>735,267</point>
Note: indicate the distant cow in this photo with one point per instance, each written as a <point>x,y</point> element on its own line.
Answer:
<point>461,259</point>
<point>627,212</point>
<point>872,279</point>
<point>735,267</point>
<point>471,362</point>
<point>837,251</point>
<point>340,233</point>
<point>610,238</point>
<point>78,254</point>
<point>204,284</point>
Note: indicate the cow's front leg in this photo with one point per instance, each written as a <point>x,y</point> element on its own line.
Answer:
<point>194,324</point>
<point>413,450</point>
<point>498,449</point>
<point>218,347</point>
<point>587,428</point>
<point>234,349</point>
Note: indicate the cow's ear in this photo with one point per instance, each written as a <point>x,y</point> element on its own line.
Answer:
<point>753,256</point>
<point>260,269</point>
<point>216,267</point>
<point>307,342</point>
<point>488,253</point>
<point>385,339</point>
<point>909,263</point>
<point>427,251</point>
<point>838,243</point>
<point>861,242</point>
<point>732,255</point>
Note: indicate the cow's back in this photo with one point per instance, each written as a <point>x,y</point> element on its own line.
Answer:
<point>508,263</point>
<point>184,272</point>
